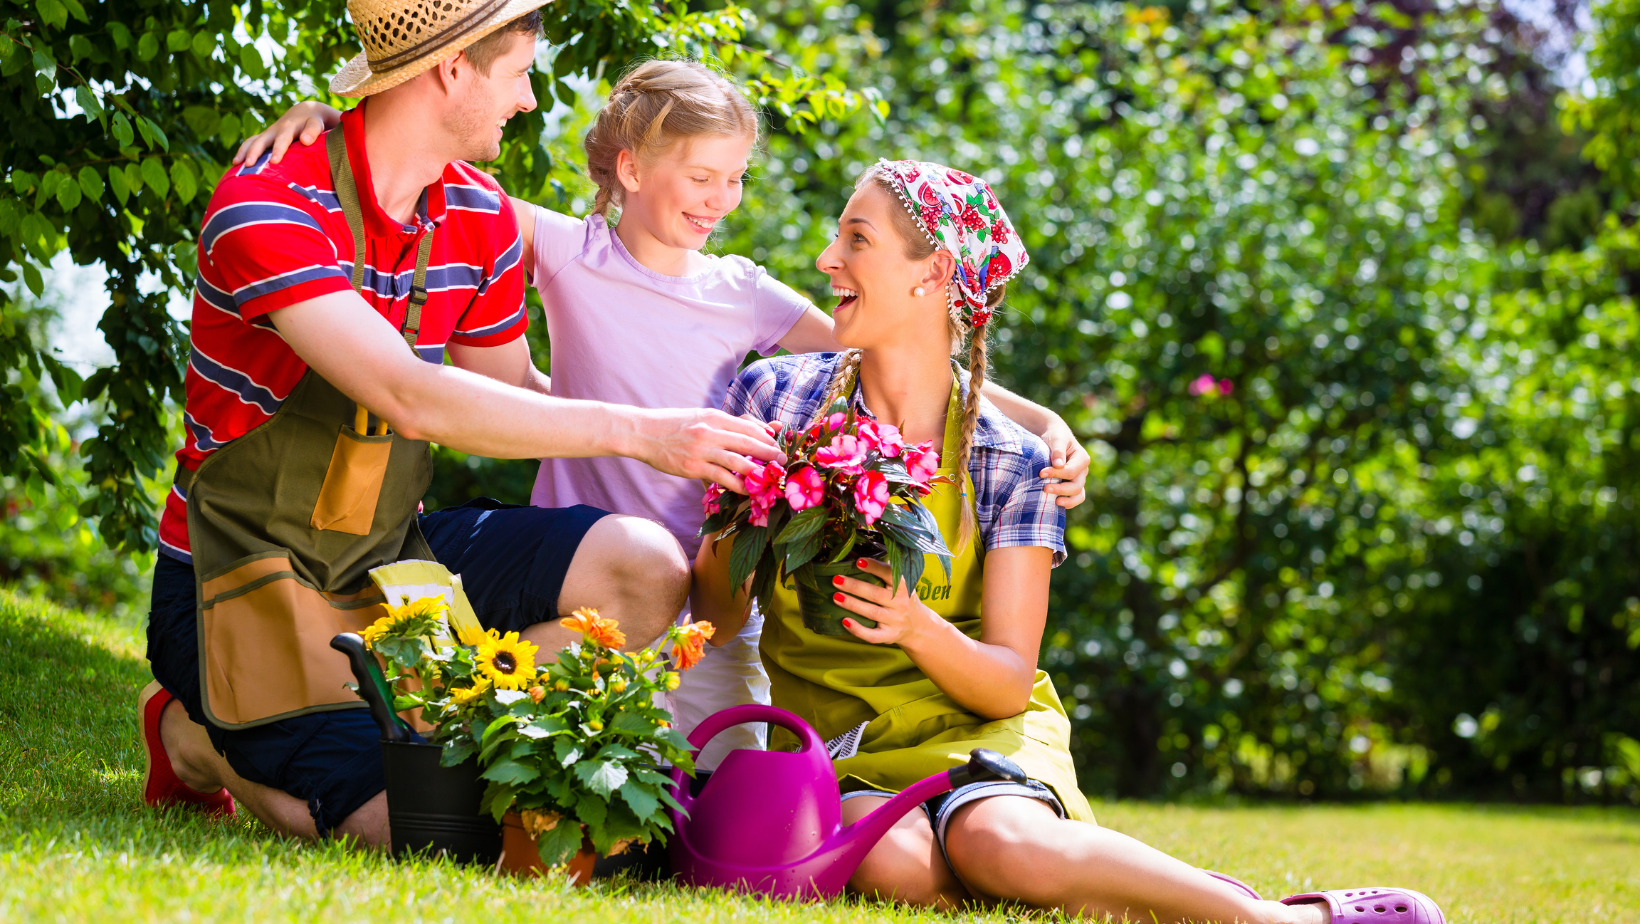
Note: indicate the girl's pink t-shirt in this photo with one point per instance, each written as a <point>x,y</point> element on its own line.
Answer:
<point>623,333</point>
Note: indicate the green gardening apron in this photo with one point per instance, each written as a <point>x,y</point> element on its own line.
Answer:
<point>285,523</point>
<point>907,729</point>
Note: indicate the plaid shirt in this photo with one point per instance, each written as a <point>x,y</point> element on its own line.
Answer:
<point>1012,508</point>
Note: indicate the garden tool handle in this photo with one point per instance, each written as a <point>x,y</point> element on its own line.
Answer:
<point>736,715</point>
<point>373,687</point>
<point>985,765</point>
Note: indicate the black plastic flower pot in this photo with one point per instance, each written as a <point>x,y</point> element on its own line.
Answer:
<point>433,810</point>
<point>821,615</point>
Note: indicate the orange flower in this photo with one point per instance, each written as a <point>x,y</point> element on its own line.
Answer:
<point>595,629</point>
<point>691,643</point>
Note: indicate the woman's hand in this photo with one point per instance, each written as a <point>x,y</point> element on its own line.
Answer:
<point>1070,465</point>
<point>900,616</point>
<point>303,121</point>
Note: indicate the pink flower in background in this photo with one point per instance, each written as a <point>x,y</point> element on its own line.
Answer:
<point>871,496</point>
<point>885,438</point>
<point>805,489</point>
<point>845,453</point>
<point>922,462</point>
<point>711,500</point>
<point>1205,385</point>
<point>764,484</point>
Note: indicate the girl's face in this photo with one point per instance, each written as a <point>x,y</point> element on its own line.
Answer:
<point>875,282</point>
<point>681,195</point>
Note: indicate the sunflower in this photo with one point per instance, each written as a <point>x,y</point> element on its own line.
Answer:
<point>594,628</point>
<point>690,642</point>
<point>418,617</point>
<point>466,696</point>
<point>508,662</point>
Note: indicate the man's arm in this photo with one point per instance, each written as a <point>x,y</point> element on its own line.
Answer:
<point>344,340</point>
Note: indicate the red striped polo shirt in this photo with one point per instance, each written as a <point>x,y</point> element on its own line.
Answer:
<point>274,235</point>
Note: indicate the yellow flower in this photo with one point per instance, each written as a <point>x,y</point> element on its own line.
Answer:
<point>466,696</point>
<point>672,680</point>
<point>400,619</point>
<point>537,694</point>
<point>507,661</point>
<point>690,643</point>
<point>594,628</point>
<point>618,685</point>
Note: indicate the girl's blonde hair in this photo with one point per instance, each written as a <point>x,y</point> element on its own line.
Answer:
<point>655,105</point>
<point>919,247</point>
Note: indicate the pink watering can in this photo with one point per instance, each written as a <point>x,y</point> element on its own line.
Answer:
<point>769,821</point>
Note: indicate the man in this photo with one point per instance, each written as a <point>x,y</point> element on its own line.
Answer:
<point>330,288</point>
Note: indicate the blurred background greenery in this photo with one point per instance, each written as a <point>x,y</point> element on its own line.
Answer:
<point>1340,296</point>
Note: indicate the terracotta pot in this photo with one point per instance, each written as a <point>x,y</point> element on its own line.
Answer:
<point>520,857</point>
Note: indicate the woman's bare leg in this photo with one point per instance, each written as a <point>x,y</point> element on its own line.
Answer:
<point>906,864</point>
<point>1017,849</point>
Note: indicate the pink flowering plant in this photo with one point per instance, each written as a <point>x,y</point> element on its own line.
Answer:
<point>850,487</point>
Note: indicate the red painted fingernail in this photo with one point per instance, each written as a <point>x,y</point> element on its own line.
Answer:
<point>860,564</point>
<point>849,623</point>
<point>838,580</point>
<point>837,598</point>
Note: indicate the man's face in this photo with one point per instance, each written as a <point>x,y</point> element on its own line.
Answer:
<point>484,103</point>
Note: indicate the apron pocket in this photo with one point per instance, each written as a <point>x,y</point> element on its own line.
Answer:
<point>265,636</point>
<point>353,483</point>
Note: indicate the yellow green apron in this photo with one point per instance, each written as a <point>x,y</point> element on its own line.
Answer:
<point>912,730</point>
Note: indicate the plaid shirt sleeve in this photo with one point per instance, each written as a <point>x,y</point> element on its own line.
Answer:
<point>786,388</point>
<point>1013,510</point>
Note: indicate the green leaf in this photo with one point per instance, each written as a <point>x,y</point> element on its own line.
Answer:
<point>250,61</point>
<point>456,752</point>
<point>566,751</point>
<point>801,525</point>
<point>602,777</point>
<point>68,195</point>
<point>153,174</point>
<point>31,276</point>
<point>147,46</point>
<point>118,185</point>
<point>88,101</point>
<point>52,12</point>
<point>561,843</point>
<point>749,544</point>
<point>133,177</point>
<point>10,217</point>
<point>176,40</point>
<point>632,724</point>
<point>91,183</point>
<point>203,44</point>
<point>152,133</point>
<point>76,9</point>
<point>38,236</point>
<point>228,129</point>
<point>510,772</point>
<point>121,129</point>
<point>643,802</point>
<point>22,181</point>
<point>187,184</point>
<point>120,35</point>
<point>45,71</point>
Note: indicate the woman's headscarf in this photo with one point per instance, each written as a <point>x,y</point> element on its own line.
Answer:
<point>959,213</point>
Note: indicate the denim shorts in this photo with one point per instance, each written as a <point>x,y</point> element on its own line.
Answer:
<point>941,807</point>
<point>512,561</point>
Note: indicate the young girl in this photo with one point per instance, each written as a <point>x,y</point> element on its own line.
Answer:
<point>637,314</point>
<point>920,261</point>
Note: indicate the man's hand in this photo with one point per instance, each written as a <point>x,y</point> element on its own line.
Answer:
<point>1070,465</point>
<point>706,444</point>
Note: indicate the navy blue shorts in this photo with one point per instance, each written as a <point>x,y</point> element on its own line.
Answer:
<point>512,561</point>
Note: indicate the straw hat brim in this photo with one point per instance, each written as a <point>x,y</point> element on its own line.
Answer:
<point>356,79</point>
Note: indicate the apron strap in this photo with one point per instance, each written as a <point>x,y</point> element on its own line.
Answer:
<point>347,194</point>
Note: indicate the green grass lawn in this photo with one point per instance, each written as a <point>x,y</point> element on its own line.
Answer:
<point>77,844</point>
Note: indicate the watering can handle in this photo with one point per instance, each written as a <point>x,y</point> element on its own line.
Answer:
<point>737,715</point>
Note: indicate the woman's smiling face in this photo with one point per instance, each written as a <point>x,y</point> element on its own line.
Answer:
<point>873,279</point>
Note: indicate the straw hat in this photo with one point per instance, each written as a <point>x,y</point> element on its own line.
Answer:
<point>403,38</point>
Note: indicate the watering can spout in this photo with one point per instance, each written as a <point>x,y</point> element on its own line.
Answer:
<point>851,844</point>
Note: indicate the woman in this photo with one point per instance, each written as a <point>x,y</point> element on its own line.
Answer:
<point>919,263</point>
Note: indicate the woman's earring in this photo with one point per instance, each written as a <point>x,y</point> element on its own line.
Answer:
<point>919,291</point>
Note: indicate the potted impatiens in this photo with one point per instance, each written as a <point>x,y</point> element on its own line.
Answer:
<point>851,487</point>
<point>570,751</point>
